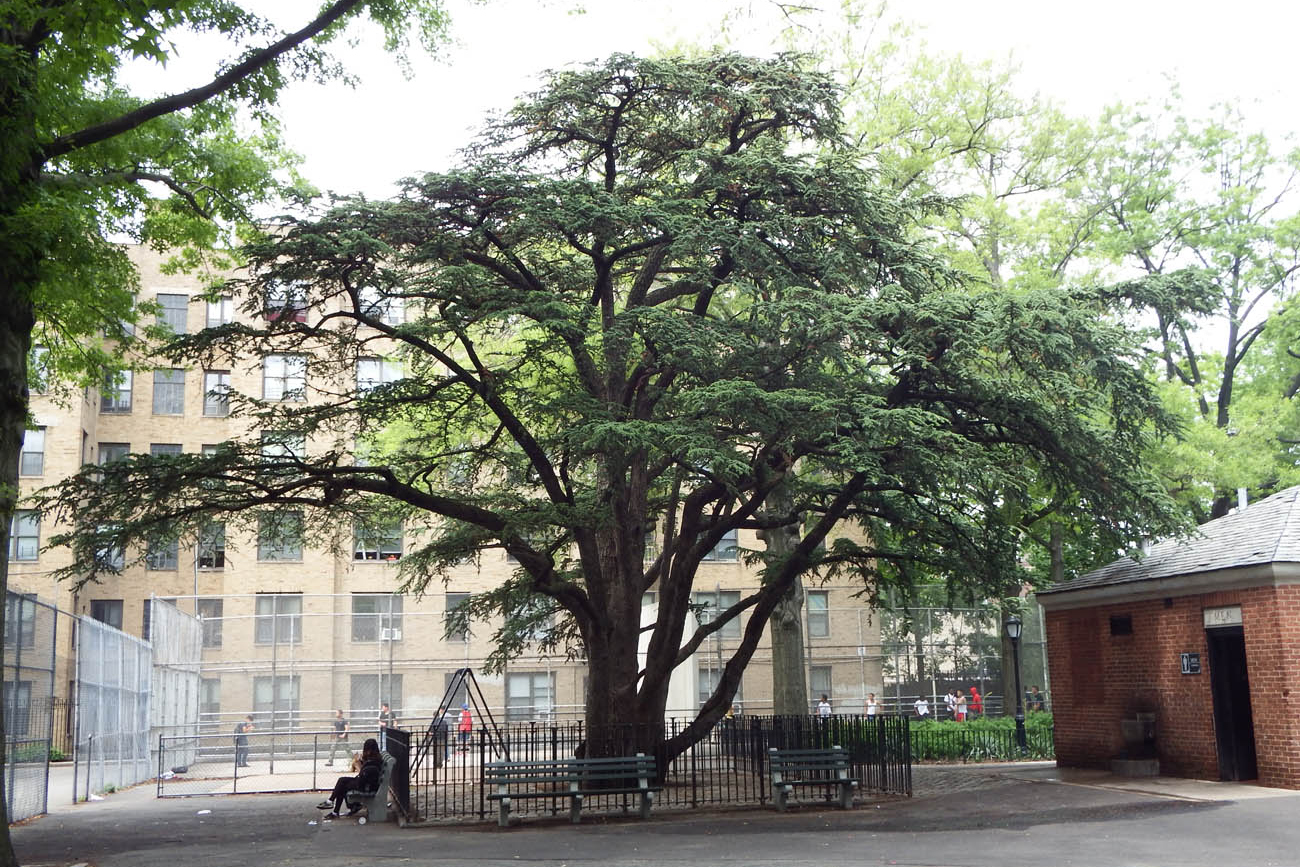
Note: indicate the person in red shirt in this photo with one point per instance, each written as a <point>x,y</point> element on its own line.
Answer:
<point>976,703</point>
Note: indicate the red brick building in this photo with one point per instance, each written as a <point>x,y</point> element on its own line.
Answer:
<point>1205,634</point>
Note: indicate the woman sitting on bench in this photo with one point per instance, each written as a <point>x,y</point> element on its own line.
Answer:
<point>367,780</point>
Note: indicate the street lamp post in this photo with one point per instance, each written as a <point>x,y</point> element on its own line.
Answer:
<point>1013,625</point>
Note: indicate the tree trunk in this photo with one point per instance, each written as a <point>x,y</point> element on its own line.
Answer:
<point>789,671</point>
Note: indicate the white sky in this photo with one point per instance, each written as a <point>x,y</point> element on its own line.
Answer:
<point>1080,54</point>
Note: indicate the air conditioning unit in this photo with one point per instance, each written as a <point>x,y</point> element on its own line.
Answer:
<point>390,635</point>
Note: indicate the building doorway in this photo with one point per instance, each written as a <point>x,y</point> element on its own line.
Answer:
<point>1234,728</point>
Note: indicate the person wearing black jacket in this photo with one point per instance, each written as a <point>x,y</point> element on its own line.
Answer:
<point>367,780</point>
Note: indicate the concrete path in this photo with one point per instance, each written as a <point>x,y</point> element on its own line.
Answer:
<point>961,816</point>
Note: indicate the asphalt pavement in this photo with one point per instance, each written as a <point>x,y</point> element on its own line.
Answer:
<point>959,816</point>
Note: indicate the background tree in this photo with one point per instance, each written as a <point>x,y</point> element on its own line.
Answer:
<point>658,287</point>
<point>86,162</point>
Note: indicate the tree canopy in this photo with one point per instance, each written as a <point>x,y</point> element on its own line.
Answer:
<point>87,162</point>
<point>656,288</point>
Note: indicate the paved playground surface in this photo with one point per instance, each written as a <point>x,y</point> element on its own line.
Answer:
<point>976,815</point>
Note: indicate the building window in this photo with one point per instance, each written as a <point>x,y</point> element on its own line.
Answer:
<point>286,301</point>
<point>159,450</point>
<point>116,396</point>
<point>216,393</point>
<point>279,618</point>
<point>25,535</point>
<point>211,612</point>
<point>530,696</point>
<point>279,536</point>
<point>109,452</point>
<point>283,447</point>
<point>374,372</point>
<point>20,619</point>
<point>162,556</point>
<point>38,369</point>
<point>726,548</point>
<point>454,601</point>
<point>374,304</point>
<point>212,546</point>
<point>276,700</point>
<point>110,558</point>
<point>367,691</point>
<point>708,680</point>
<point>172,313</point>
<point>210,698</point>
<point>376,617</point>
<point>169,392</point>
<point>18,707</point>
<point>712,603</point>
<point>377,542</point>
<point>819,615</point>
<point>108,611</point>
<point>819,684</point>
<point>31,461</point>
<point>221,311</point>
<point>284,377</point>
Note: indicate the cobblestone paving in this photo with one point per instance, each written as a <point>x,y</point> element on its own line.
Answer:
<point>931,780</point>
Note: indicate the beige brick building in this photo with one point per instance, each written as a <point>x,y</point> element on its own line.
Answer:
<point>300,631</point>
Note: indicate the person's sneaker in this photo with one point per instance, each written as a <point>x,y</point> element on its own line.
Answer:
<point>333,815</point>
<point>329,764</point>
<point>325,805</point>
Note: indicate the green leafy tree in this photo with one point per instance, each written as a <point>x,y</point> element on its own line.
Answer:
<point>657,289</point>
<point>85,162</point>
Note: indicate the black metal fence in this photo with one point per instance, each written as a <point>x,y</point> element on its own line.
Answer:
<point>728,768</point>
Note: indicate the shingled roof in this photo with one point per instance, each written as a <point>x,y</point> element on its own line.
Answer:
<point>1264,534</point>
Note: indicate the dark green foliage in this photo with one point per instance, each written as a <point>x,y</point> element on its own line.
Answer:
<point>657,290</point>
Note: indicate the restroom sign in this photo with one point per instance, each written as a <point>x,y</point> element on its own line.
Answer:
<point>1228,615</point>
<point>1191,663</point>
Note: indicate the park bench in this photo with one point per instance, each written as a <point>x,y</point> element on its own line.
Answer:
<point>828,768</point>
<point>570,778</point>
<point>376,802</point>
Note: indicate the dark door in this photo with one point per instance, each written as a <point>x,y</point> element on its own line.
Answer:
<point>1234,730</point>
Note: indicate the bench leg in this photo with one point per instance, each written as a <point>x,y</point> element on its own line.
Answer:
<point>503,812</point>
<point>778,797</point>
<point>575,808</point>
<point>647,798</point>
<point>846,795</point>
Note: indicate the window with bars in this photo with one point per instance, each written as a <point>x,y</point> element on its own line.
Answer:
<point>163,449</point>
<point>212,546</point>
<point>367,691</point>
<point>221,311</point>
<point>18,707</point>
<point>377,541</point>
<point>25,535</point>
<point>211,612</point>
<point>216,393</point>
<point>374,372</point>
<point>116,393</point>
<point>278,618</point>
<point>173,312</point>
<point>284,377</point>
<point>108,611</point>
<point>708,682</point>
<point>376,617</point>
<point>31,461</point>
<point>169,392</point>
<point>714,602</point>
<point>279,536</point>
<point>819,616</point>
<point>819,684</point>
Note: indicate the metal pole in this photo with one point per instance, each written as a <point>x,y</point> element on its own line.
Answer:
<point>1020,698</point>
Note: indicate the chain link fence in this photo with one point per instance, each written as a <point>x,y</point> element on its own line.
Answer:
<point>31,634</point>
